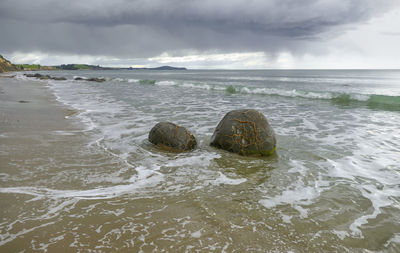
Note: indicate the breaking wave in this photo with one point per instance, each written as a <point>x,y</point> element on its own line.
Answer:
<point>373,101</point>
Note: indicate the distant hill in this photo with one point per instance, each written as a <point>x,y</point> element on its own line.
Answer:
<point>6,65</point>
<point>169,68</point>
<point>97,67</point>
<point>79,66</point>
<point>160,68</point>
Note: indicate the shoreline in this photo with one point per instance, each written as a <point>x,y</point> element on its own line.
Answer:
<point>67,186</point>
<point>30,106</point>
<point>34,126</point>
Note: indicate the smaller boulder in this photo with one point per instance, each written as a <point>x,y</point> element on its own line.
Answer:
<point>171,137</point>
<point>45,77</point>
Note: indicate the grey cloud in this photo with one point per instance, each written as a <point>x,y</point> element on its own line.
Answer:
<point>142,28</point>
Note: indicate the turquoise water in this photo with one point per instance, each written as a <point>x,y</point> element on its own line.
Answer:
<point>333,185</point>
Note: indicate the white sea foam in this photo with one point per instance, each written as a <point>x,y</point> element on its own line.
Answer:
<point>371,168</point>
<point>395,239</point>
<point>202,160</point>
<point>223,179</point>
<point>339,97</point>
<point>21,76</point>
<point>166,83</point>
<point>379,199</point>
<point>270,91</point>
<point>83,77</point>
<point>144,178</point>
<point>298,167</point>
<point>340,234</point>
<point>196,234</point>
<point>6,238</point>
<point>287,93</point>
<point>197,86</point>
<point>219,87</point>
<point>297,196</point>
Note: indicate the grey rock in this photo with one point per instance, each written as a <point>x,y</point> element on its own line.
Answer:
<point>245,132</point>
<point>171,137</point>
<point>96,79</point>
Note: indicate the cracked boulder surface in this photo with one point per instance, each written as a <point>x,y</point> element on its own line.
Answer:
<point>245,132</point>
<point>171,137</point>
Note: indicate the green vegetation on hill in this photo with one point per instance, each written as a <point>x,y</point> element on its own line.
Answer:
<point>79,66</point>
<point>29,66</point>
<point>35,67</point>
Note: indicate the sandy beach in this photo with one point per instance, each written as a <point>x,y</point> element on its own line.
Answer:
<point>32,128</point>
<point>79,174</point>
<point>29,107</point>
<point>43,151</point>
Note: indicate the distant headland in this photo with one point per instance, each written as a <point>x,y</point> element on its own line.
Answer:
<point>97,67</point>
<point>6,66</point>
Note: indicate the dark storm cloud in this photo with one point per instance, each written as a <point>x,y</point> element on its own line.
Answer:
<point>142,28</point>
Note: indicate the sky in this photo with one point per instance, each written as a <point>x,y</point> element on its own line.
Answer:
<point>203,34</point>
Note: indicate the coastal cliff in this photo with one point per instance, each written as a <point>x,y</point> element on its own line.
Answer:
<point>6,65</point>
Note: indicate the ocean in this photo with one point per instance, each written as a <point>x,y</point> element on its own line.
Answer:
<point>333,185</point>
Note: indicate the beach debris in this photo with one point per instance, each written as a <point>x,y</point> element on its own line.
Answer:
<point>245,132</point>
<point>61,78</point>
<point>147,82</point>
<point>37,75</point>
<point>171,137</point>
<point>92,79</point>
<point>45,77</point>
<point>96,79</point>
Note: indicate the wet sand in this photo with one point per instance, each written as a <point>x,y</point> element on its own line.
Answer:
<point>32,123</point>
<point>29,117</point>
<point>29,107</point>
<point>91,183</point>
<point>44,150</point>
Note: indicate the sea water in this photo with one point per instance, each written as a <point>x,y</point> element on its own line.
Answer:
<point>333,185</point>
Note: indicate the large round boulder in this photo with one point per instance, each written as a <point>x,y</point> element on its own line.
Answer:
<point>171,137</point>
<point>245,132</point>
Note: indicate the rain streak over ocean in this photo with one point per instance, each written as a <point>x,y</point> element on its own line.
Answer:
<point>333,185</point>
